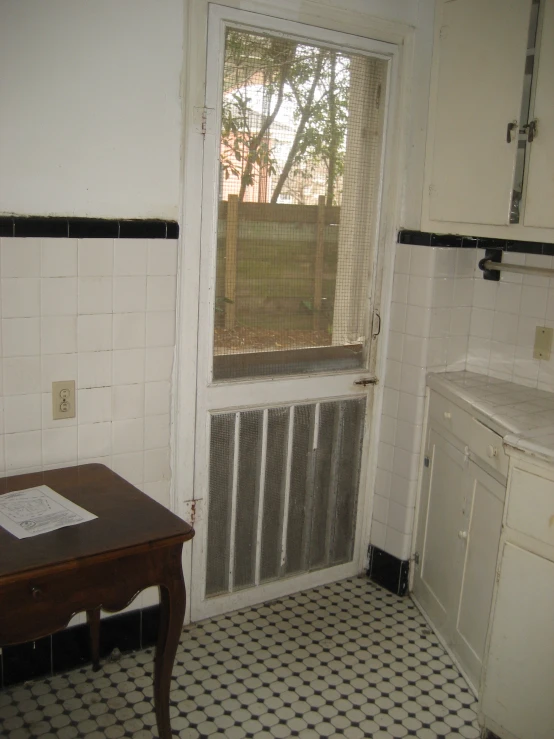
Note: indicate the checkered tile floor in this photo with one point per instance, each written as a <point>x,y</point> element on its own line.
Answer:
<point>344,660</point>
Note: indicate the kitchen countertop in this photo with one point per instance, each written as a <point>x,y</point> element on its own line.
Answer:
<point>523,416</point>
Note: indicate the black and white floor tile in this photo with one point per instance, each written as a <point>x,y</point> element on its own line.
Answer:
<point>344,660</point>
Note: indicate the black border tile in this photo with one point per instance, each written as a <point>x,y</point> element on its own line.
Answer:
<point>388,571</point>
<point>150,623</point>
<point>40,227</point>
<point>27,661</point>
<point>6,226</point>
<point>455,241</point>
<point>142,229</point>
<point>172,230</point>
<point>93,228</point>
<point>120,632</point>
<point>71,648</point>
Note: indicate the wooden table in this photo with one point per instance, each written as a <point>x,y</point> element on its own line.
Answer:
<point>134,543</point>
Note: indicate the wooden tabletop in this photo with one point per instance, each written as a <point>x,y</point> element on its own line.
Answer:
<point>127,518</point>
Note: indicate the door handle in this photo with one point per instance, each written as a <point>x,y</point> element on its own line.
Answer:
<point>367,381</point>
<point>510,127</point>
<point>376,315</point>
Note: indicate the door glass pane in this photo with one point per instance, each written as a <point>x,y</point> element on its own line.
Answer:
<point>300,169</point>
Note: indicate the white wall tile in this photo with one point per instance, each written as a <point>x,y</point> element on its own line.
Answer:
<point>534,301</point>
<point>128,436</point>
<point>160,328</point>
<point>94,405</point>
<point>129,466</point>
<point>130,257</point>
<point>159,363</point>
<point>94,333</point>
<point>418,321</point>
<point>156,465</point>
<point>21,375</point>
<point>59,296</point>
<point>160,492</point>
<point>129,294</point>
<point>95,257</point>
<point>94,369</point>
<point>59,445</point>
<point>378,534</point>
<point>129,330</point>
<point>128,402</point>
<point>48,421</point>
<point>20,258</point>
<point>94,440</point>
<point>128,366</point>
<point>23,450</point>
<point>59,257</point>
<point>380,509</point>
<point>95,295</point>
<point>22,413</point>
<point>20,297</point>
<point>58,334</point>
<point>421,260</point>
<point>20,337</point>
<point>162,257</point>
<point>160,293</point>
<point>156,431</point>
<point>420,291</point>
<point>157,398</point>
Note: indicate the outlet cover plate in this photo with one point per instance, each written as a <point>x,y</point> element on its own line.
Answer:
<point>63,399</point>
<point>543,343</point>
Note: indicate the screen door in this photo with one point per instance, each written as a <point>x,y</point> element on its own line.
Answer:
<point>291,201</point>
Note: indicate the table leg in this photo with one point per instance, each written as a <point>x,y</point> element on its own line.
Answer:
<point>172,614</point>
<point>93,620</point>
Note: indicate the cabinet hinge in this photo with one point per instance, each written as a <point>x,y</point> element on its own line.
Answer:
<point>204,120</point>
<point>416,558</point>
<point>426,461</point>
<point>498,575</point>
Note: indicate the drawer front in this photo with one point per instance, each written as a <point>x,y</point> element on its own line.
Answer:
<point>450,416</point>
<point>531,506</point>
<point>487,446</point>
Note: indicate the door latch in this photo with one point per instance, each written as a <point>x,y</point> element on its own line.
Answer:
<point>531,130</point>
<point>512,126</point>
<point>367,381</point>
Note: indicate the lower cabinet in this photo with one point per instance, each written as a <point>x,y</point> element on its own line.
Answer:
<point>518,690</point>
<point>459,525</point>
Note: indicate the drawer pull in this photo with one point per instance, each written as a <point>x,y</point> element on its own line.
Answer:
<point>447,415</point>
<point>36,593</point>
<point>492,451</point>
<point>462,534</point>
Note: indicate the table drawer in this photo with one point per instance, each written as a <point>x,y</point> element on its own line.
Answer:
<point>531,506</point>
<point>487,446</point>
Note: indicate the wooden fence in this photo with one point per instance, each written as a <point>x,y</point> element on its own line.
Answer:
<point>276,264</point>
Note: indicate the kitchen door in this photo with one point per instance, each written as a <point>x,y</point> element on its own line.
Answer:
<point>294,121</point>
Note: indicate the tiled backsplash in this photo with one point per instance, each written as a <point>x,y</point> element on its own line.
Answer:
<point>445,316</point>
<point>100,312</point>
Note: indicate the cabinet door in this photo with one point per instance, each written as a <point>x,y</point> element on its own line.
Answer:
<point>480,62</point>
<point>540,175</point>
<point>519,681</point>
<point>437,580</point>
<point>481,534</point>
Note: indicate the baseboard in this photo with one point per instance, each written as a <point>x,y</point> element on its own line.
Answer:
<point>388,571</point>
<point>70,648</point>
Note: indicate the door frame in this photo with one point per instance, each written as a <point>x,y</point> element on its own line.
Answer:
<point>185,378</point>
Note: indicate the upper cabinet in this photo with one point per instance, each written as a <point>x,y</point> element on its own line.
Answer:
<point>490,148</point>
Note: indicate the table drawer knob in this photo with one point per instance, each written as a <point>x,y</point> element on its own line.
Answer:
<point>447,415</point>
<point>462,534</point>
<point>36,593</point>
<point>492,451</point>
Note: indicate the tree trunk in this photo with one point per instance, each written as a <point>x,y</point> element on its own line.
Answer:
<point>296,144</point>
<point>254,145</point>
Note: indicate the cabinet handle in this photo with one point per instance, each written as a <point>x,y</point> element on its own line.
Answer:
<point>492,451</point>
<point>462,534</point>
<point>447,415</point>
<point>36,593</point>
<point>510,127</point>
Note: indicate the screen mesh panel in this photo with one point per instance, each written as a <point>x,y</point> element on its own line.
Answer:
<point>300,168</point>
<point>292,507</point>
<point>222,444</point>
<point>274,494</point>
<point>250,456</point>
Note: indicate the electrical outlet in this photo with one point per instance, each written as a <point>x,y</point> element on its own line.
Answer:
<point>543,343</point>
<point>63,399</point>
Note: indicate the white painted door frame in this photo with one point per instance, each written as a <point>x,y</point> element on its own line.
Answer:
<point>188,355</point>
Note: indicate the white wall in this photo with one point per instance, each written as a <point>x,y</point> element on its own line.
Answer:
<point>90,110</point>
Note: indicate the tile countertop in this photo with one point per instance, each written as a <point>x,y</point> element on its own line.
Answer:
<point>523,416</point>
